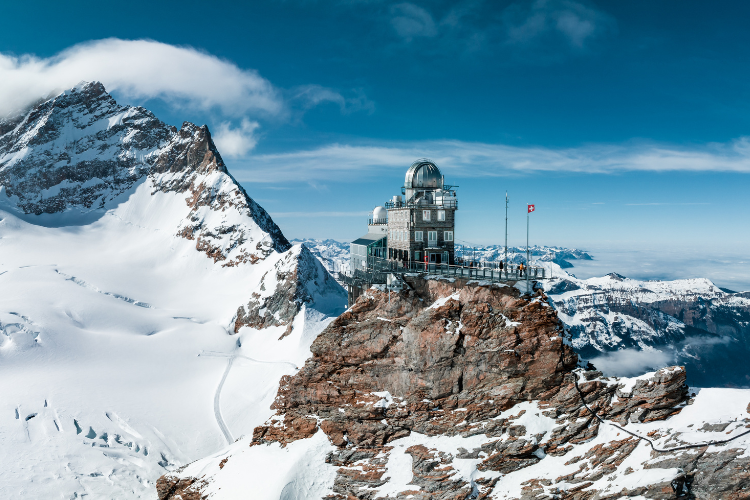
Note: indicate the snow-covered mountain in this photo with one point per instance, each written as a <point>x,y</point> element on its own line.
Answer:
<point>156,324</point>
<point>148,306</point>
<point>633,325</point>
<point>540,253</point>
<point>333,254</point>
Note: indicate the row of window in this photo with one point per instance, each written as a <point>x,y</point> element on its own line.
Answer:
<point>418,235</point>
<point>397,254</point>
<point>427,214</point>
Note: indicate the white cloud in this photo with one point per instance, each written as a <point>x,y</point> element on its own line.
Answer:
<point>468,159</point>
<point>145,69</point>
<point>411,21</point>
<point>577,23</point>
<point>631,362</point>
<point>309,96</point>
<point>236,142</point>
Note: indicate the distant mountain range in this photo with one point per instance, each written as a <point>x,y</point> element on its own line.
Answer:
<point>335,254</point>
<point>630,326</point>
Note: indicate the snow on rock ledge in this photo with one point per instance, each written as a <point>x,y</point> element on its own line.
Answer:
<point>478,408</point>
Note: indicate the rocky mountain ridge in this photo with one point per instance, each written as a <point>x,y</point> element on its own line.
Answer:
<point>80,153</point>
<point>463,390</point>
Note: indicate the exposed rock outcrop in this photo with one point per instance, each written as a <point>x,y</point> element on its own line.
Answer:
<point>449,374</point>
<point>284,290</point>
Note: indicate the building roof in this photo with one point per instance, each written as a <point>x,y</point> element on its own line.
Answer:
<point>369,239</point>
<point>423,174</point>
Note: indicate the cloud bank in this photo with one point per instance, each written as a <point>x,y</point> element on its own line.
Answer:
<point>183,77</point>
<point>140,69</point>
<point>631,362</point>
<point>470,159</point>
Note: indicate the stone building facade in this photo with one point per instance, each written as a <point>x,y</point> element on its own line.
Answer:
<point>421,225</point>
<point>416,226</point>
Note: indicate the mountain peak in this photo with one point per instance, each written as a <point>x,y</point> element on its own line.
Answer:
<point>83,153</point>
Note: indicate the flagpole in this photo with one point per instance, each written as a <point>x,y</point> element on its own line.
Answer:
<point>506,235</point>
<point>528,269</point>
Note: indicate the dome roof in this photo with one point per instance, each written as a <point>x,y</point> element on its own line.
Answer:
<point>379,213</point>
<point>423,174</point>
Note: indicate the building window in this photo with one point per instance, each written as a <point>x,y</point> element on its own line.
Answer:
<point>417,255</point>
<point>441,215</point>
<point>425,215</point>
<point>448,235</point>
<point>417,235</point>
<point>432,237</point>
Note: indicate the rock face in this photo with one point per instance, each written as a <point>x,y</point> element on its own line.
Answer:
<point>284,290</point>
<point>473,388</point>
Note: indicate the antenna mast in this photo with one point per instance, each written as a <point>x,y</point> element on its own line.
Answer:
<point>506,234</point>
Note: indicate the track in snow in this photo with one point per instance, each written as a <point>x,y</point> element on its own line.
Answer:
<point>217,396</point>
<point>217,405</point>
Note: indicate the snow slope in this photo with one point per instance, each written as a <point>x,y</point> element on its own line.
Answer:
<point>126,252</point>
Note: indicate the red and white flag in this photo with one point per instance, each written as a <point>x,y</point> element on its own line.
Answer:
<point>531,208</point>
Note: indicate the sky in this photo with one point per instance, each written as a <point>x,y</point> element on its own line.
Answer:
<point>627,124</point>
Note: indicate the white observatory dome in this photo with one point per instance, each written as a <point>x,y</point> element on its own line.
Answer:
<point>380,214</point>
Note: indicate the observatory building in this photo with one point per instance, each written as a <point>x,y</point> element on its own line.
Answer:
<point>416,226</point>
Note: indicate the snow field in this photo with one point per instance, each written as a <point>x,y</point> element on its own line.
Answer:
<point>106,333</point>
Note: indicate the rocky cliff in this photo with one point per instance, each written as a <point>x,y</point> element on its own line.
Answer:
<point>456,390</point>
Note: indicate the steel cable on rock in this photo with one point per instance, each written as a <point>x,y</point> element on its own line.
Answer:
<point>649,441</point>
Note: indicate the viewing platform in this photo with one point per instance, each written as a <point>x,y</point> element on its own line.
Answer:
<point>377,272</point>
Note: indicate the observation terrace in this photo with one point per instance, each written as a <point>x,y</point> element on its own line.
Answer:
<point>378,269</point>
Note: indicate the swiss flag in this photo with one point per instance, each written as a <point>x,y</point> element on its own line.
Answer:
<point>531,208</point>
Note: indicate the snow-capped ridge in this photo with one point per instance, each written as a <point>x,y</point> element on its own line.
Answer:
<point>81,152</point>
<point>127,249</point>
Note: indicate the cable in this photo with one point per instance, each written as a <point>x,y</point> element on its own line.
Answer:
<point>650,442</point>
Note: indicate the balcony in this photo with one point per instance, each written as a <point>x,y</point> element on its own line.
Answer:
<point>421,203</point>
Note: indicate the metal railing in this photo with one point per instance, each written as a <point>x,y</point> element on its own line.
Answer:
<point>449,203</point>
<point>378,270</point>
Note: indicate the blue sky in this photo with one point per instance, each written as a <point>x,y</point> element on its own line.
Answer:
<point>626,123</point>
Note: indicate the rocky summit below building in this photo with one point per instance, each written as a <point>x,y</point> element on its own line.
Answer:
<point>452,390</point>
